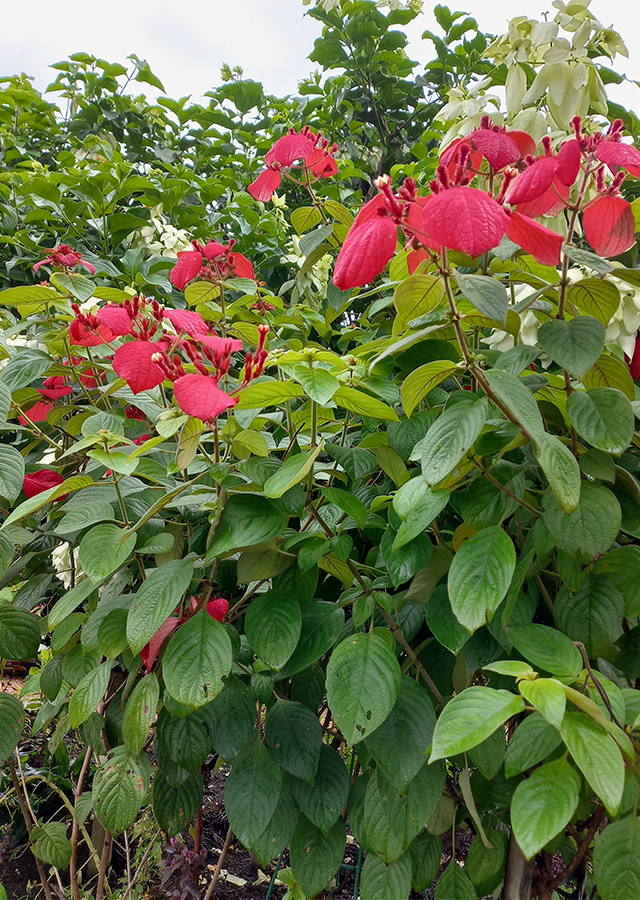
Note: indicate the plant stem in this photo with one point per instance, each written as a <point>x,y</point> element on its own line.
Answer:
<point>104,865</point>
<point>218,868</point>
<point>75,831</point>
<point>46,887</point>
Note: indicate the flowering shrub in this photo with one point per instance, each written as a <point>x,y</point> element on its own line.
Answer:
<point>382,565</point>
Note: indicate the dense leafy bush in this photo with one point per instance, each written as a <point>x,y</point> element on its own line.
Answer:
<point>365,528</point>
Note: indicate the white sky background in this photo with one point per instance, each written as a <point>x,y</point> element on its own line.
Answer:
<point>186,43</point>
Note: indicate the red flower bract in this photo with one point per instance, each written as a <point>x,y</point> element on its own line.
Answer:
<point>569,159</point>
<point>265,184</point>
<point>81,336</point>
<point>218,608</point>
<point>534,181</point>
<point>242,267</point>
<point>465,219</point>
<point>634,365</point>
<point>188,265</point>
<point>615,153</point>
<point>542,243</point>
<point>365,252</point>
<point>186,320</point>
<point>134,363</point>
<point>200,396</point>
<point>219,344</point>
<point>496,147</point>
<point>288,149</point>
<point>36,413</point>
<point>609,225</point>
<point>37,482</point>
<point>149,652</point>
<point>116,318</point>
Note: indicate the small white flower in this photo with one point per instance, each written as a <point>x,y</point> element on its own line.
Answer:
<point>61,562</point>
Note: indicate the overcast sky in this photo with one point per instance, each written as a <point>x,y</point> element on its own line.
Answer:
<point>185,43</point>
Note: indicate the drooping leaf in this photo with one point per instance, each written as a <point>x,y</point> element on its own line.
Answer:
<point>616,859</point>
<point>252,791</point>
<point>543,804</point>
<point>198,656</point>
<point>294,738</point>
<point>480,576</point>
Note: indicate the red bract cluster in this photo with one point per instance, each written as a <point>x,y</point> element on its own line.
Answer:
<point>37,482</point>
<point>212,262</point>
<point>518,188</point>
<point>63,257</point>
<point>313,152</point>
<point>217,609</point>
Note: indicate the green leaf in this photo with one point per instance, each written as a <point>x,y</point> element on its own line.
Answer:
<point>88,694</point>
<point>187,740</point>
<point>176,807</point>
<point>547,649</point>
<point>616,860</point>
<point>426,854</point>
<point>348,504</point>
<point>19,633</point>
<point>101,551</point>
<point>449,439</point>
<point>470,717</point>
<point>156,599</point>
<point>586,258</point>
<point>234,715</point>
<point>319,384</point>
<point>198,656</point>
<point>404,562</point>
<point>593,614</point>
<point>418,383</point>
<point>485,866</point>
<point>363,680</point>
<point>597,755</point>
<point>483,505</point>
<point>140,713</point>
<point>119,788</point>
<point>273,624</point>
<point>292,471</point>
<point>363,404</point>
<point>487,295</point>
<point>268,393</point>
<point>50,843</point>
<point>278,833</point>
<point>561,468</point>
<point>322,624</point>
<point>252,791</point>
<point>455,884</point>
<point>609,371</point>
<point>381,882</point>
<point>400,744</point>
<point>603,417</point>
<point>81,517</point>
<point>547,696</point>
<point>622,566</point>
<point>5,402</point>
<point>12,721</point>
<point>532,741</point>
<point>426,510</point>
<point>480,575</point>
<point>591,528</point>
<point>11,472</point>
<point>414,297</point>
<point>443,623</point>
<point>518,399</point>
<point>112,633</point>
<point>543,804</point>
<point>24,368</point>
<point>294,738</point>
<point>323,801</point>
<point>574,345</point>
<point>246,520</point>
<point>305,217</point>
<point>595,297</point>
<point>315,857</point>
<point>75,483</point>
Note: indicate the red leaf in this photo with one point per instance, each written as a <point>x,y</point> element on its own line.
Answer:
<point>149,652</point>
<point>369,211</point>
<point>242,267</point>
<point>288,149</point>
<point>365,252</point>
<point>37,413</point>
<point>551,203</point>
<point>133,362</point>
<point>533,182</point>
<point>634,365</point>
<point>414,259</point>
<point>116,318</point>
<point>569,159</point>
<point>615,153</point>
<point>218,608</point>
<point>542,243</point>
<point>321,163</point>
<point>188,265</point>
<point>186,320</point>
<point>37,482</point>
<point>265,184</point>
<point>496,147</point>
<point>54,387</point>
<point>465,219</point>
<point>219,344</point>
<point>415,221</point>
<point>82,337</point>
<point>525,142</point>
<point>609,225</point>
<point>213,249</point>
<point>200,396</point>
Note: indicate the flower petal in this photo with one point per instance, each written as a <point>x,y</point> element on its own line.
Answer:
<point>542,243</point>
<point>265,184</point>
<point>134,363</point>
<point>366,251</point>
<point>188,265</point>
<point>465,219</point>
<point>534,181</point>
<point>609,225</point>
<point>200,396</point>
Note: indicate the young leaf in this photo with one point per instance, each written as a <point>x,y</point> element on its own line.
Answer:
<point>470,718</point>
<point>597,755</point>
<point>450,437</point>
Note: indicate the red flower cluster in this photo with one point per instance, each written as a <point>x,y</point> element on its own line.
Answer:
<point>37,482</point>
<point>314,151</point>
<point>457,216</point>
<point>53,389</point>
<point>212,262</point>
<point>217,609</point>
<point>65,258</point>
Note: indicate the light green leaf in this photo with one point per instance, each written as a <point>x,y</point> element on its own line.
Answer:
<point>349,504</point>
<point>363,404</point>
<point>319,384</point>
<point>50,843</point>
<point>363,680</point>
<point>156,599</point>
<point>574,345</point>
<point>88,694</point>
<point>381,882</point>
<point>470,717</point>
<point>268,393</point>
<point>561,468</point>
<point>597,755</point>
<point>595,297</point>
<point>103,550</point>
<point>418,383</point>
<point>414,297</point>
<point>603,417</point>
<point>543,804</point>
<point>11,472</point>
<point>547,696</point>
<point>480,576</point>
<point>548,649</point>
<point>292,471</point>
<point>140,713</point>
<point>449,439</point>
